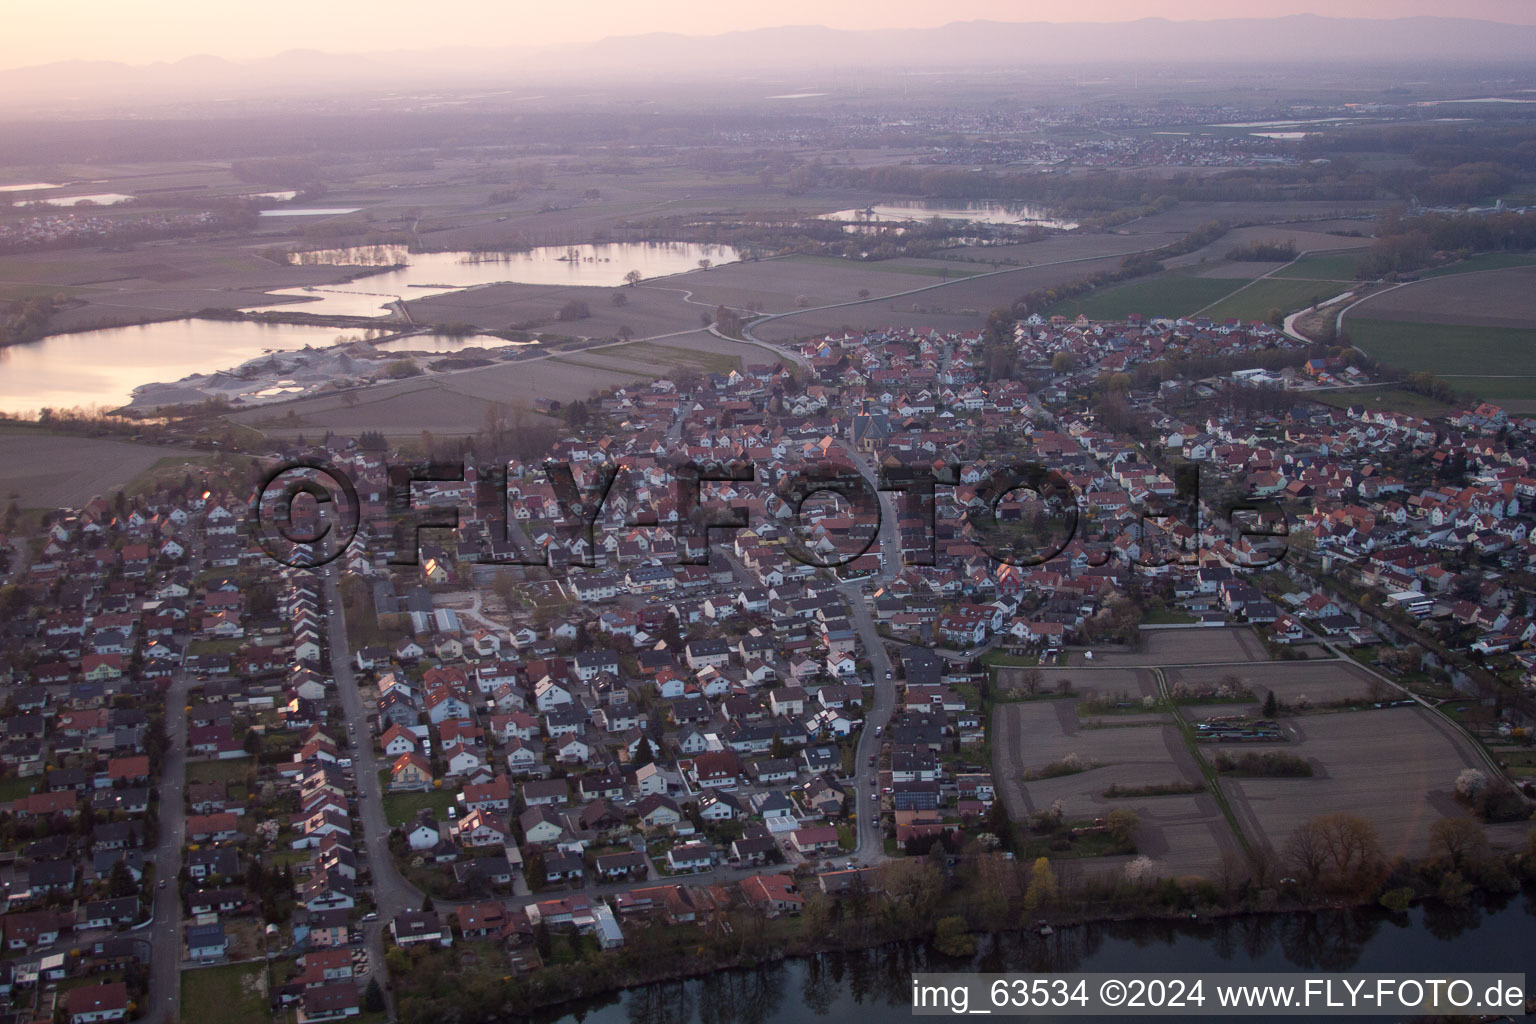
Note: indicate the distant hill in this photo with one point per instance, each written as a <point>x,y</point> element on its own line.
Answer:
<point>1296,39</point>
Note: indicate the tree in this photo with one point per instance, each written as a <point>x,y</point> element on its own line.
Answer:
<point>1460,840</point>
<point>1122,827</point>
<point>426,902</point>
<point>575,309</point>
<point>951,938</point>
<point>625,332</point>
<point>1030,679</point>
<point>620,299</point>
<point>705,264</point>
<point>863,293</point>
<point>373,997</point>
<point>1043,890</point>
<point>1271,705</point>
<point>644,754</point>
<point>632,278</point>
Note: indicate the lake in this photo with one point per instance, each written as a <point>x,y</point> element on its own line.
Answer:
<point>101,368</point>
<point>96,199</point>
<point>876,984</point>
<point>977,212</point>
<point>418,275</point>
<point>310,211</point>
<point>449,343</point>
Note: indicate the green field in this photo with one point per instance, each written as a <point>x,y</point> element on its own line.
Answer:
<point>234,993</point>
<point>219,771</point>
<point>1484,261</point>
<point>674,355</point>
<point>400,808</point>
<point>1323,267</point>
<point>1287,295</point>
<point>1386,399</point>
<point>1448,350</point>
<point>1172,293</point>
<point>892,267</point>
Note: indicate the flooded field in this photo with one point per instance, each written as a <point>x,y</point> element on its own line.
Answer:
<point>977,212</point>
<point>416,275</point>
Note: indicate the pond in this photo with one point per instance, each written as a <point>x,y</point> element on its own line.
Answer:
<point>417,275</point>
<point>906,211</point>
<point>101,368</point>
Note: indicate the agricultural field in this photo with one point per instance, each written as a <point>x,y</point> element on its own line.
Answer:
<point>1160,647</point>
<point>60,470</point>
<point>1255,301</point>
<point>1089,682</point>
<point>1184,833</point>
<point>952,305</point>
<point>1322,267</point>
<point>1494,362</point>
<point>1504,297</point>
<point>1319,682</point>
<point>1359,769</point>
<point>1172,293</point>
<point>1481,262</point>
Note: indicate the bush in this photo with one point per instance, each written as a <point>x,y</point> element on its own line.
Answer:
<point>1274,765</point>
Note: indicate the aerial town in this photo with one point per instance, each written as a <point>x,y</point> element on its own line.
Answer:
<point>674,514</point>
<point>550,729</point>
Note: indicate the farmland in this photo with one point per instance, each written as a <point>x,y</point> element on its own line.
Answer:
<point>1503,297</point>
<point>1172,293</point>
<point>1493,362</point>
<point>1256,300</point>
<point>50,470</point>
<point>1359,769</point>
<point>1182,833</point>
<point>1160,647</point>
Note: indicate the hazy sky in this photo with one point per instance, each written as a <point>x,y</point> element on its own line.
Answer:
<point>160,30</point>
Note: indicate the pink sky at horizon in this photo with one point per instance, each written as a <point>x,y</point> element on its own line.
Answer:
<point>169,30</point>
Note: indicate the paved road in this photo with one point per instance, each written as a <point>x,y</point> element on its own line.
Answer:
<point>165,933</point>
<point>391,892</point>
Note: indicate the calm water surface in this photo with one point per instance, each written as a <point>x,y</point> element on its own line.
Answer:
<point>875,985</point>
<point>978,213</point>
<point>101,368</point>
<point>434,273</point>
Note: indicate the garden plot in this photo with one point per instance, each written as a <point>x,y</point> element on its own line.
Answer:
<point>1320,682</point>
<point>1395,767</point>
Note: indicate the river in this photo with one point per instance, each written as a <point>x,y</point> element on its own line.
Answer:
<point>875,984</point>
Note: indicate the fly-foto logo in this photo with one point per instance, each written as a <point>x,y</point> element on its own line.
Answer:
<point>1020,513</point>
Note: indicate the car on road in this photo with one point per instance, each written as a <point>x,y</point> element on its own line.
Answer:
<point>879,729</point>
<point>888,674</point>
<point>162,884</point>
<point>872,759</point>
<point>370,917</point>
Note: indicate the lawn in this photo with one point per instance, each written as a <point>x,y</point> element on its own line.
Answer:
<point>1388,399</point>
<point>1172,293</point>
<point>1458,352</point>
<point>1332,267</point>
<point>234,993</point>
<point>13,787</point>
<point>1286,295</point>
<point>219,771</point>
<point>400,808</point>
